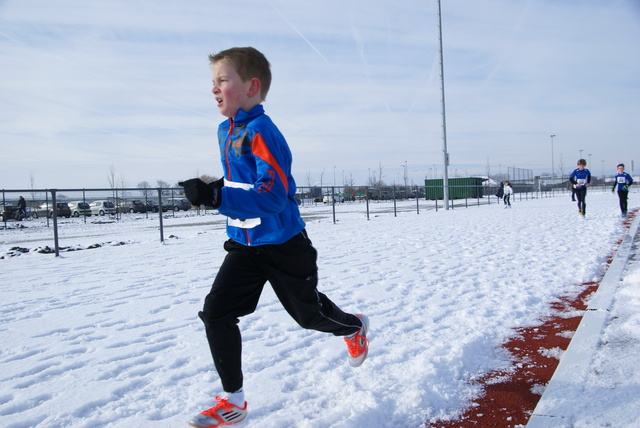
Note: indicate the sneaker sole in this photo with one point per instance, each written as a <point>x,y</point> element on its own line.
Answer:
<point>240,424</point>
<point>365,325</point>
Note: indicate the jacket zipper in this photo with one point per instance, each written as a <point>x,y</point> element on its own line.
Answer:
<point>226,159</point>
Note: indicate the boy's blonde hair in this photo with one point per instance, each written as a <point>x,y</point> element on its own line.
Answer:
<point>249,63</point>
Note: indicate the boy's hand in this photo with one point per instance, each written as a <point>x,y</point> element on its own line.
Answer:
<point>625,187</point>
<point>200,193</point>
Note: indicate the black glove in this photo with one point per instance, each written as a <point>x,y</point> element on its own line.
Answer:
<point>200,193</point>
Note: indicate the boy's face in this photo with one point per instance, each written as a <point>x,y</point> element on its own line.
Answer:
<point>620,170</point>
<point>580,166</point>
<point>230,91</point>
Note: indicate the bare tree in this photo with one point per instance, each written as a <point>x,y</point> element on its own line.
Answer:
<point>164,185</point>
<point>144,189</point>
<point>561,168</point>
<point>32,183</point>
<point>111,176</point>
<point>372,179</point>
<point>350,183</point>
<point>208,178</point>
<point>380,182</point>
<point>123,184</point>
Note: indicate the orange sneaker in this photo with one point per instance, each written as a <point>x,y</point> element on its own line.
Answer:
<point>223,414</point>
<point>358,344</point>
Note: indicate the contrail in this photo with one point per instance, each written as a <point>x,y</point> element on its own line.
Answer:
<point>299,33</point>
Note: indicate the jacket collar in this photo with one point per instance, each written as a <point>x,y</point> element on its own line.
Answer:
<point>243,117</point>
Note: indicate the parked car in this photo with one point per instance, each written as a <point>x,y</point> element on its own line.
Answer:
<point>102,207</point>
<point>180,205</point>
<point>328,198</point>
<point>79,208</point>
<point>154,207</point>
<point>8,210</point>
<point>46,210</point>
<point>135,206</point>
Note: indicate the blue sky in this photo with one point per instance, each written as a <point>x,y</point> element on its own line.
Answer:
<point>87,85</point>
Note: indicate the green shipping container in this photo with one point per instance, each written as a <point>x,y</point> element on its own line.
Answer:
<point>459,188</point>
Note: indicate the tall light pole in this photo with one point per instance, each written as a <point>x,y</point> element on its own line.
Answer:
<point>552,166</point>
<point>445,154</point>
<point>589,158</point>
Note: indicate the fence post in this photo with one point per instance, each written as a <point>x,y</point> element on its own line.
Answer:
<point>54,207</point>
<point>4,220</point>
<point>366,198</point>
<point>333,203</point>
<point>395,213</point>
<point>160,213</point>
<point>84,201</point>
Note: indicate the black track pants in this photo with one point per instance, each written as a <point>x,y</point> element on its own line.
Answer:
<point>581,194</point>
<point>291,270</point>
<point>623,196</point>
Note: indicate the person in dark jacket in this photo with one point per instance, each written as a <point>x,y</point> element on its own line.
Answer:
<point>622,181</point>
<point>500,192</point>
<point>581,179</point>
<point>22,207</point>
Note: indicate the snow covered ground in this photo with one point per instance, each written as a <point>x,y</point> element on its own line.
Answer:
<point>109,337</point>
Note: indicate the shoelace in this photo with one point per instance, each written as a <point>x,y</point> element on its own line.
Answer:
<point>221,403</point>
<point>353,344</point>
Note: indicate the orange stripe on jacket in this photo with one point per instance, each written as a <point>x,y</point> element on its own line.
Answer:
<point>261,150</point>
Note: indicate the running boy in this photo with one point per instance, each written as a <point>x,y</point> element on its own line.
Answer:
<point>267,242</point>
<point>508,191</point>
<point>581,178</point>
<point>622,182</point>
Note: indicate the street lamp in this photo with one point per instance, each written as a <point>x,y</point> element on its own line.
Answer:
<point>445,153</point>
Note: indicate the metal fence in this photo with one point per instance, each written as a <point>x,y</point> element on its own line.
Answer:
<point>46,203</point>
<point>365,199</point>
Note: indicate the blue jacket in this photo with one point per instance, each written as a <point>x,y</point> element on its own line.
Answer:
<point>259,192</point>
<point>621,180</point>
<point>580,178</point>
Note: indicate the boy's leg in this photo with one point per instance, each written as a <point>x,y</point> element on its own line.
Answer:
<point>235,292</point>
<point>293,274</point>
<point>581,193</point>
<point>622,196</point>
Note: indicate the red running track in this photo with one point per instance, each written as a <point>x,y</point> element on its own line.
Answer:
<point>507,400</point>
